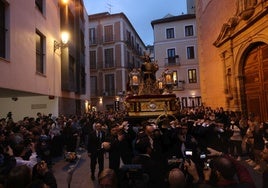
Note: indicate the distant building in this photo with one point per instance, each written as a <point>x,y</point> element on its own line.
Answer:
<point>233,48</point>
<point>175,48</point>
<point>115,49</point>
<point>37,72</point>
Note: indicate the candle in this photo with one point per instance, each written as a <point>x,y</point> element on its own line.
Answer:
<point>160,85</point>
<point>135,80</point>
<point>168,78</point>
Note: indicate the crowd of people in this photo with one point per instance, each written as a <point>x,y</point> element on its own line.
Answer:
<point>201,147</point>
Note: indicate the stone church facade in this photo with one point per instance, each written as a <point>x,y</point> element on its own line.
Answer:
<point>233,55</point>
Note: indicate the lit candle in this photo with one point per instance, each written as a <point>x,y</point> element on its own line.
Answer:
<point>160,85</point>
<point>168,78</point>
<point>135,80</point>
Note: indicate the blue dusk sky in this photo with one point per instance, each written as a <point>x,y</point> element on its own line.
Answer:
<point>139,12</point>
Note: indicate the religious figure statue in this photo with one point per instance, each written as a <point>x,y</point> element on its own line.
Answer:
<point>149,68</point>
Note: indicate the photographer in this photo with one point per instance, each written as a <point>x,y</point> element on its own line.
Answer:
<point>20,150</point>
<point>223,169</point>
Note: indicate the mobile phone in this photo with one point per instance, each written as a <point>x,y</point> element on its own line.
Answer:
<point>188,153</point>
<point>203,156</point>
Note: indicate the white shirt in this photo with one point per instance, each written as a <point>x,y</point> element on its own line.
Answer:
<point>30,163</point>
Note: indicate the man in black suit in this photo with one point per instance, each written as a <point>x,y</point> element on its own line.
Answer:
<point>149,166</point>
<point>95,149</point>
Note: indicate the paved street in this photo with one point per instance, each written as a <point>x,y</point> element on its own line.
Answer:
<point>81,173</point>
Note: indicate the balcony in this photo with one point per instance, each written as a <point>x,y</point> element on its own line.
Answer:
<point>172,61</point>
<point>180,85</point>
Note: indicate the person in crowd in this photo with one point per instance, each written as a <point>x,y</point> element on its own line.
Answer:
<point>21,149</point>
<point>108,178</point>
<point>216,136</point>
<point>70,136</point>
<point>7,160</point>
<point>95,149</point>
<point>176,178</point>
<point>223,170</point>
<point>183,141</point>
<point>149,166</point>
<point>235,140</point>
<point>114,139</point>
<point>19,177</point>
<point>41,172</point>
<point>56,137</point>
<point>265,167</point>
<point>125,146</point>
<point>258,144</point>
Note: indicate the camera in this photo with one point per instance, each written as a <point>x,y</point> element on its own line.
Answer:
<point>188,154</point>
<point>203,156</point>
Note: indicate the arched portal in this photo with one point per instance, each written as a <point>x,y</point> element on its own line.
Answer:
<point>255,73</point>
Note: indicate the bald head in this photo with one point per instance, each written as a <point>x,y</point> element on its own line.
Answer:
<point>176,178</point>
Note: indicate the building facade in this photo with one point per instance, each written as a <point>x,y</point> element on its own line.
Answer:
<point>233,55</point>
<point>38,73</point>
<point>175,48</point>
<point>115,49</point>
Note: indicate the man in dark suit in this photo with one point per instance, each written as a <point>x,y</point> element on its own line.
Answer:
<point>149,166</point>
<point>95,149</point>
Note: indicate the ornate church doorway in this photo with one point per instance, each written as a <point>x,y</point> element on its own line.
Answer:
<point>255,71</point>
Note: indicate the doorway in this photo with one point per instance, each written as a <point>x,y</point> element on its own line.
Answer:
<point>255,73</point>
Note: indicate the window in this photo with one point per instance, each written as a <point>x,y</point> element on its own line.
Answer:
<point>171,56</point>
<point>170,33</point>
<point>109,84</point>
<point>190,52</point>
<point>189,30</point>
<point>92,36</point>
<point>40,54</point>
<point>109,58</point>
<point>92,60</point>
<point>93,86</point>
<point>128,38</point>
<point>175,77</point>
<point>108,33</point>
<point>192,76</point>
<point>39,5</point>
<point>2,30</point>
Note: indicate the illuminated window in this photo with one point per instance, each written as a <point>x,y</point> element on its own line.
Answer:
<point>192,76</point>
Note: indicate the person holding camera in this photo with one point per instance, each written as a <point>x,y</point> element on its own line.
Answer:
<point>223,170</point>
<point>21,149</point>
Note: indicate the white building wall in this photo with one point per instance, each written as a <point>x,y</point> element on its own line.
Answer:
<point>180,43</point>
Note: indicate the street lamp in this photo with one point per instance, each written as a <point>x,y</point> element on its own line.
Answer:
<point>64,40</point>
